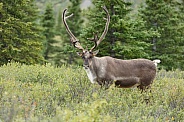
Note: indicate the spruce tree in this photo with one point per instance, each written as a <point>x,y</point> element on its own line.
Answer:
<point>162,16</point>
<point>20,34</point>
<point>60,57</point>
<point>125,37</point>
<point>48,23</point>
<point>181,32</point>
<point>59,28</point>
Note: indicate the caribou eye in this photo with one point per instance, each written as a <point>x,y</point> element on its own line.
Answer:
<point>83,57</point>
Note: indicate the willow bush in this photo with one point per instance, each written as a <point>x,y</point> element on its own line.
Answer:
<point>46,93</point>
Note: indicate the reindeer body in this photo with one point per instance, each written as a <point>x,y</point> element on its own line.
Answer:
<point>125,73</point>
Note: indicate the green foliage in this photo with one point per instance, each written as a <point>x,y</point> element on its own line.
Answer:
<point>164,17</point>
<point>20,35</point>
<point>125,38</point>
<point>181,31</point>
<point>47,93</point>
<point>48,23</point>
<point>134,35</point>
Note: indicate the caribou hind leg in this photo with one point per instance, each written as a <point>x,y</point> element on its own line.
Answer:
<point>144,88</point>
<point>146,93</point>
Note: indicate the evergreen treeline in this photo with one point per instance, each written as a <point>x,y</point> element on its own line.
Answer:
<point>155,31</point>
<point>20,35</point>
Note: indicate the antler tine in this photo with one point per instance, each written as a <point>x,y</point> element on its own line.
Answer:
<point>73,39</point>
<point>94,39</point>
<point>106,26</point>
<point>97,42</point>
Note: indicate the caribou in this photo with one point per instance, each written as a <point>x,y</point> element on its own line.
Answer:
<point>109,70</point>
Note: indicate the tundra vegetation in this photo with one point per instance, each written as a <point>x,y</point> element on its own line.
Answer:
<point>46,93</point>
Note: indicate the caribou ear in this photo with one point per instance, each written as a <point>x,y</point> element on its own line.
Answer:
<point>79,54</point>
<point>95,52</point>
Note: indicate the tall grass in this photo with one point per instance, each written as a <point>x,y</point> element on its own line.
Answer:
<point>46,93</point>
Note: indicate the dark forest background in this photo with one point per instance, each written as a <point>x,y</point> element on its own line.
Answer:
<point>32,31</point>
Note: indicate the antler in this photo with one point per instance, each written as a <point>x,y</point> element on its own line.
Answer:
<point>73,39</point>
<point>96,40</point>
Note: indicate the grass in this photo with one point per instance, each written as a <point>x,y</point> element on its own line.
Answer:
<point>54,94</point>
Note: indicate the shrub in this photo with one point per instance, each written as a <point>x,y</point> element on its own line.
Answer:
<point>47,93</point>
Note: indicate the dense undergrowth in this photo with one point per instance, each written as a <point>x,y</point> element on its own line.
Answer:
<point>64,94</point>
